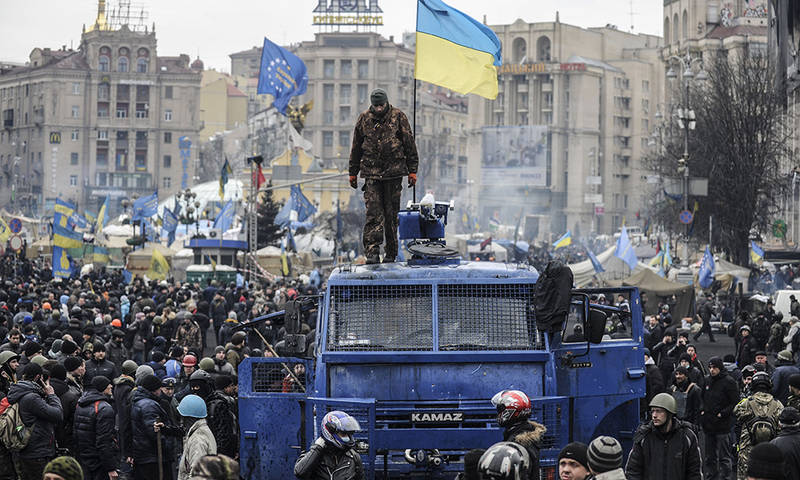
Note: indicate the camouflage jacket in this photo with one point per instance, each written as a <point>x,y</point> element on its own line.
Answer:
<point>383,146</point>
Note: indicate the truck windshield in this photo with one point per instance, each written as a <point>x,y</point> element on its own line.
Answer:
<point>400,317</point>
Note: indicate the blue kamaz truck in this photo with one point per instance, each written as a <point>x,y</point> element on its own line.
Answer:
<point>416,350</point>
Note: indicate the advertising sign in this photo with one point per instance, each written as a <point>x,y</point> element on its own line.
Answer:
<point>518,152</point>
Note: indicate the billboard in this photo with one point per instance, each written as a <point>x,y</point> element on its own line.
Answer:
<point>515,152</point>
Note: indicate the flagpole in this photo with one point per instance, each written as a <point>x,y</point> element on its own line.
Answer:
<point>414,115</point>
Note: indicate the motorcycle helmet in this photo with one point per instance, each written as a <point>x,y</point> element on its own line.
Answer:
<point>512,406</point>
<point>504,461</point>
<point>338,429</point>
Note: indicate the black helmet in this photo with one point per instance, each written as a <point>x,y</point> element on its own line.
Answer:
<point>761,382</point>
<point>504,460</point>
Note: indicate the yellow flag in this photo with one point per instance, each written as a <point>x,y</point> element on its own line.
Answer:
<point>5,232</point>
<point>159,267</point>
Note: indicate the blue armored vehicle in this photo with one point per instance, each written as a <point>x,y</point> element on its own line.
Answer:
<point>415,351</point>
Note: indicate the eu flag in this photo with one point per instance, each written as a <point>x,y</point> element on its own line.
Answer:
<point>283,75</point>
<point>145,207</point>
<point>301,204</point>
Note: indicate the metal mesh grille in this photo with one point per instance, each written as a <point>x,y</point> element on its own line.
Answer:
<point>487,317</point>
<point>273,378</point>
<point>550,415</point>
<point>381,318</point>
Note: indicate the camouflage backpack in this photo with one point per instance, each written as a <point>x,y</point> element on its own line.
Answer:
<point>763,426</point>
<point>14,435</point>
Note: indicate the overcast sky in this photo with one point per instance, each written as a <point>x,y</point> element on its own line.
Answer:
<point>215,29</point>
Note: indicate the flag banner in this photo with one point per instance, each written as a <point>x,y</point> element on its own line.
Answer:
<point>5,230</point>
<point>298,141</point>
<point>159,267</point>
<point>145,207</point>
<point>290,243</point>
<point>102,217</point>
<point>705,276</point>
<point>62,268</point>
<point>657,260</point>
<point>170,221</point>
<point>565,240</point>
<point>224,218</point>
<point>127,276</point>
<point>455,51</point>
<point>286,264</point>
<point>223,178</point>
<point>624,250</point>
<point>66,237</point>
<point>756,253</point>
<point>301,204</point>
<point>258,177</point>
<point>63,211</point>
<point>282,75</point>
<point>486,243</point>
<point>100,255</point>
<point>598,267</point>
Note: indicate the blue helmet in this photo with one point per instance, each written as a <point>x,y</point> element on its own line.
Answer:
<point>192,406</point>
<point>338,429</point>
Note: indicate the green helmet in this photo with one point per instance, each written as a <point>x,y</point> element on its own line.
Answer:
<point>206,364</point>
<point>665,401</point>
<point>6,356</point>
<point>39,360</point>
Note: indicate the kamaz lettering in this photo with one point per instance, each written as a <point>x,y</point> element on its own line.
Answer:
<point>453,417</point>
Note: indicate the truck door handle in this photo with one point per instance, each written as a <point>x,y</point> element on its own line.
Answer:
<point>635,372</point>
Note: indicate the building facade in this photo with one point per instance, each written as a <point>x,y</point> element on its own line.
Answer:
<point>563,142</point>
<point>111,118</point>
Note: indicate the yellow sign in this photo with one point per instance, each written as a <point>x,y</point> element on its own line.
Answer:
<point>55,137</point>
<point>348,20</point>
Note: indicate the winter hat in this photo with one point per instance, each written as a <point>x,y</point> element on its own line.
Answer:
<point>785,356</point>
<point>682,370</point>
<point>58,371</point>
<point>99,347</point>
<point>729,358</point>
<point>378,97</point>
<point>32,348</point>
<point>794,380</point>
<point>716,362</point>
<point>129,368</point>
<point>218,349</point>
<point>150,382</point>
<point>232,315</point>
<point>216,467</point>
<point>100,383</point>
<point>72,363</point>
<point>65,467</point>
<point>141,372</point>
<point>604,454</point>
<point>222,381</point>
<point>157,356</point>
<point>238,338</point>
<point>68,347</point>
<point>56,346</point>
<point>685,356</point>
<point>766,462</point>
<point>117,333</point>
<point>789,417</point>
<point>31,370</point>
<point>88,331</point>
<point>575,451</point>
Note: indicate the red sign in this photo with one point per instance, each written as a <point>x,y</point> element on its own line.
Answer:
<point>599,210</point>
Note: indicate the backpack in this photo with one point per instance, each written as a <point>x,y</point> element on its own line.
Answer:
<point>761,329</point>
<point>762,428</point>
<point>13,433</point>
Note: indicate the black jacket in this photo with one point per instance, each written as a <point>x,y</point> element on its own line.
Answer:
<point>95,432</point>
<point>329,463</point>
<point>788,440</point>
<point>41,413</point>
<point>123,386</point>
<point>223,423</point>
<point>528,434</point>
<point>102,367</point>
<point>721,394</point>
<point>116,354</point>
<point>658,455</point>
<point>746,351</point>
<point>68,393</point>
<point>693,400</point>
<point>145,411</point>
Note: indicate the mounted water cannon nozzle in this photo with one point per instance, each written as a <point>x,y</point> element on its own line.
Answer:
<point>422,225</point>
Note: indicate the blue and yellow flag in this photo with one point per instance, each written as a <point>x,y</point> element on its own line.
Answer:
<point>62,268</point>
<point>63,213</point>
<point>223,178</point>
<point>100,255</point>
<point>65,237</point>
<point>5,231</point>
<point>456,51</point>
<point>102,217</point>
<point>565,240</point>
<point>756,253</point>
<point>225,216</point>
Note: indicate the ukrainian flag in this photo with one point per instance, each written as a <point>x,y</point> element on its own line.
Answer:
<point>565,240</point>
<point>456,51</point>
<point>63,212</point>
<point>66,238</point>
<point>159,267</point>
<point>756,253</point>
<point>100,255</point>
<point>5,230</point>
<point>102,217</point>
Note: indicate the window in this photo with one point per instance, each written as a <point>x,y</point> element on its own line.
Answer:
<point>102,134</point>
<point>102,109</point>
<point>122,64</point>
<point>327,92</point>
<point>327,139</point>
<point>141,65</point>
<point>167,137</point>
<point>344,138</point>
<point>168,115</point>
<point>76,111</point>
<point>123,92</point>
<point>73,180</point>
<point>167,161</point>
<point>362,93</point>
<point>346,69</point>
<point>75,135</point>
<point>328,67</point>
<point>344,114</point>
<point>344,94</point>
<point>645,85</point>
<point>101,179</point>
<point>102,156</point>
<point>383,69</point>
<point>76,88</point>
<point>327,116</point>
<point>363,68</point>
<point>103,91</point>
<point>73,158</point>
<point>103,63</point>
<point>122,110</point>
<point>122,135</point>
<point>168,92</point>
<point>167,182</point>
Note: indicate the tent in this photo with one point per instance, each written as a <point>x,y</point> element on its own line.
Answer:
<point>615,269</point>
<point>660,289</point>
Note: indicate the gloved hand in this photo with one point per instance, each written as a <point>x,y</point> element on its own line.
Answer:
<point>412,179</point>
<point>320,442</point>
<point>353,181</point>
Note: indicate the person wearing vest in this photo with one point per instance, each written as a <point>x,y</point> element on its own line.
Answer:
<point>757,416</point>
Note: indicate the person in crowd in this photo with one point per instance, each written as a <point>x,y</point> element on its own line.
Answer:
<point>513,413</point>
<point>332,451</point>
<point>766,463</point>
<point>788,441</point>
<point>793,400</point>
<point>605,459</point>
<point>116,352</point>
<point>688,397</point>
<point>40,410</point>
<point>221,365</point>
<point>659,441</point>
<point>148,421</point>
<point>761,362</point>
<point>694,374</point>
<point>757,419</point>
<point>95,431</point>
<point>745,380</point>
<point>122,393</point>
<point>158,364</point>
<point>99,365</point>
<point>9,362</point>
<point>63,468</point>
<point>654,380</point>
<point>14,343</point>
<point>223,415</point>
<point>173,364</point>
<point>719,399</point>
<point>199,441</point>
<point>189,364</point>
<point>784,368</point>
<point>706,312</point>
<point>747,346</point>
<point>236,350</point>
<point>188,335</point>
<point>573,464</point>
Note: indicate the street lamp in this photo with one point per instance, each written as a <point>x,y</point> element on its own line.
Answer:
<point>191,213</point>
<point>686,120</point>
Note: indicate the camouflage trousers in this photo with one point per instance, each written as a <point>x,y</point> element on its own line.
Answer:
<point>382,199</point>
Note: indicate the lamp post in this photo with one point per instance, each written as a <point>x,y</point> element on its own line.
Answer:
<point>191,212</point>
<point>685,117</point>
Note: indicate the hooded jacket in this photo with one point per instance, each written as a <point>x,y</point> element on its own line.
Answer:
<point>116,354</point>
<point>759,404</point>
<point>788,440</point>
<point>41,413</point>
<point>199,441</point>
<point>528,434</point>
<point>383,145</point>
<point>95,432</point>
<point>123,386</point>
<point>145,411</point>
<point>720,395</point>
<point>99,367</point>
<point>660,455</point>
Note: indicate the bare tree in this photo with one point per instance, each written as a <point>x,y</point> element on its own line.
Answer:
<point>740,145</point>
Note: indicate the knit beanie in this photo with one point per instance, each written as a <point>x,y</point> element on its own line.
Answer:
<point>65,467</point>
<point>58,371</point>
<point>100,383</point>
<point>68,347</point>
<point>716,362</point>
<point>32,348</point>
<point>789,417</point>
<point>766,462</point>
<point>575,451</point>
<point>142,371</point>
<point>71,363</point>
<point>56,346</point>
<point>222,381</point>
<point>794,380</point>
<point>129,368</point>
<point>151,383</point>
<point>604,454</point>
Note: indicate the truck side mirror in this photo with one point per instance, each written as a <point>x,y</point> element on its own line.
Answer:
<point>595,326</point>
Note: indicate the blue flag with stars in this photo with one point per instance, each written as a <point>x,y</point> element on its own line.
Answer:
<point>283,75</point>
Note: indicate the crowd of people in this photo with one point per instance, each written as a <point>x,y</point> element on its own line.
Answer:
<point>135,380</point>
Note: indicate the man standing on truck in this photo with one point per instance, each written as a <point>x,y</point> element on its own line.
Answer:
<point>383,151</point>
<point>513,411</point>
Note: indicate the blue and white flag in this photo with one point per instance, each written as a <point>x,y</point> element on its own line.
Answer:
<point>705,277</point>
<point>224,218</point>
<point>598,267</point>
<point>145,207</point>
<point>282,75</point>
<point>624,250</point>
<point>301,204</point>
